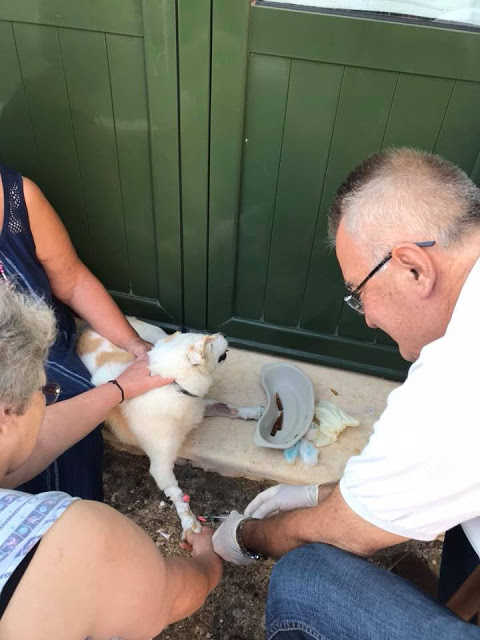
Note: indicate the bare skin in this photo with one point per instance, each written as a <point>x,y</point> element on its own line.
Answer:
<point>82,414</point>
<point>412,299</point>
<point>71,281</point>
<point>331,522</point>
<point>97,574</point>
<point>76,286</point>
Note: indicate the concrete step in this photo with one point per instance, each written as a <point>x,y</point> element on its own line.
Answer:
<point>226,446</point>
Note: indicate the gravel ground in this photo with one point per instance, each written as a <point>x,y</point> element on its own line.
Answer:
<point>235,610</point>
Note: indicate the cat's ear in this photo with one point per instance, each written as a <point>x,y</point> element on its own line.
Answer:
<point>196,351</point>
<point>206,341</point>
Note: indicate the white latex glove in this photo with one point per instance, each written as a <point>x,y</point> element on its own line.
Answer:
<point>225,540</point>
<point>282,497</point>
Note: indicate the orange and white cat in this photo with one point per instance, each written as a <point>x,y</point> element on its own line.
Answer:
<point>158,420</point>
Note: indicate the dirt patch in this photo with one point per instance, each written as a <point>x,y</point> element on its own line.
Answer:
<point>235,610</point>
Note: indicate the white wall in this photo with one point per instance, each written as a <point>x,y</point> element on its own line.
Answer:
<point>465,11</point>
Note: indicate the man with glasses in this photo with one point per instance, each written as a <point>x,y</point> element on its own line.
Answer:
<point>406,226</point>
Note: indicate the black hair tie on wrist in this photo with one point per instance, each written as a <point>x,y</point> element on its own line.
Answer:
<point>121,390</point>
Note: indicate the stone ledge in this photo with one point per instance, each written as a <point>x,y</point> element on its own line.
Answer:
<point>226,446</point>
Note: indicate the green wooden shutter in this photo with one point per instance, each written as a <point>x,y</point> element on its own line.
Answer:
<point>90,112</point>
<point>322,92</point>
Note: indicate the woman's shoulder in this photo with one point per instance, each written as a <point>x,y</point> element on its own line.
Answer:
<point>43,505</point>
<point>99,555</point>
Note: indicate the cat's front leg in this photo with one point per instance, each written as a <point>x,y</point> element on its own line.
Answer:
<point>181,503</point>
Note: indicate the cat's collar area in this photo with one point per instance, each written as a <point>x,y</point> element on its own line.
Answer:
<point>184,391</point>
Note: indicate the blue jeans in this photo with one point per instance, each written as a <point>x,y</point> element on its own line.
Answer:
<point>318,592</point>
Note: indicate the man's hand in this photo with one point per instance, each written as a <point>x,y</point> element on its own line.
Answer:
<point>282,497</point>
<point>225,540</point>
<point>137,347</point>
<point>136,379</point>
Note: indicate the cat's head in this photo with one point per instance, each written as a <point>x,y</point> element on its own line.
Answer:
<point>189,358</point>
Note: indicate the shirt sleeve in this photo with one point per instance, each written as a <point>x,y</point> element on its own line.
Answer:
<point>418,475</point>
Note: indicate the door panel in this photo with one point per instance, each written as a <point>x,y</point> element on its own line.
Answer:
<point>265,114</point>
<point>322,93</point>
<point>90,113</point>
<point>312,105</point>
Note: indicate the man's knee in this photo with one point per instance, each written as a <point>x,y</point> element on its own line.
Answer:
<point>300,581</point>
<point>303,574</point>
<point>311,563</point>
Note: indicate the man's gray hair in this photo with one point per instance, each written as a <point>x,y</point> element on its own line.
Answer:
<point>405,194</point>
<point>27,329</point>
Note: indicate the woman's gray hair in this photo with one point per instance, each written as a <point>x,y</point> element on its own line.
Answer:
<point>405,194</point>
<point>27,329</point>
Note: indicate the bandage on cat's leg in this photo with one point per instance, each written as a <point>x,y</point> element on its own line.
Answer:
<point>187,517</point>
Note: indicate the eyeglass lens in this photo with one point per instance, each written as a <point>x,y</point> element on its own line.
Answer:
<point>355,304</point>
<point>51,391</point>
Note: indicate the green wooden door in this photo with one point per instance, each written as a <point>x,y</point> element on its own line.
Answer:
<point>89,111</point>
<point>192,148</point>
<point>320,93</point>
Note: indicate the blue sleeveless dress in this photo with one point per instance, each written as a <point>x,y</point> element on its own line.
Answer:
<point>79,470</point>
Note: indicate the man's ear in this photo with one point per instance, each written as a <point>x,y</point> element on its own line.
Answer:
<point>419,267</point>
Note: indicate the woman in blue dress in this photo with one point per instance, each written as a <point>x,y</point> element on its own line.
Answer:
<point>37,255</point>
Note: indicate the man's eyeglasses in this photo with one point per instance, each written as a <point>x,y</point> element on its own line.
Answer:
<point>353,298</point>
<point>51,391</point>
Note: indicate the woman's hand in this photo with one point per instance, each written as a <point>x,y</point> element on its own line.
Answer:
<point>201,547</point>
<point>136,378</point>
<point>198,543</point>
<point>137,347</point>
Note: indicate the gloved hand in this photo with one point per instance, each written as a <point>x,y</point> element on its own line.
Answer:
<point>282,497</point>
<point>225,540</point>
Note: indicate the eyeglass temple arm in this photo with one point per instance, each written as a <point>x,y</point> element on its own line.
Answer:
<point>372,273</point>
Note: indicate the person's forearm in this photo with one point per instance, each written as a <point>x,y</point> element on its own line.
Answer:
<point>65,423</point>
<point>199,576</point>
<point>276,535</point>
<point>331,522</point>
<point>92,302</point>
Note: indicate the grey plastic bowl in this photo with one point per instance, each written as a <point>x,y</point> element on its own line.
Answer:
<point>298,399</point>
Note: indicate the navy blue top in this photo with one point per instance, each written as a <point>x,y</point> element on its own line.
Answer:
<point>78,471</point>
<point>21,265</point>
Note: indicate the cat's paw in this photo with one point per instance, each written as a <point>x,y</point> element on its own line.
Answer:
<point>193,525</point>
<point>250,413</point>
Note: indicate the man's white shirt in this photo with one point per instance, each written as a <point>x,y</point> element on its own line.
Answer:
<point>419,474</point>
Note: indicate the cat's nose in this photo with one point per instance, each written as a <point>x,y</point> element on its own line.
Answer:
<point>222,357</point>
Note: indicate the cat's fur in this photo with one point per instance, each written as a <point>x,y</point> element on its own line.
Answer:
<point>158,420</point>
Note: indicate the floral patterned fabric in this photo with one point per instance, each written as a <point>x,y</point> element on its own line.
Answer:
<point>24,519</point>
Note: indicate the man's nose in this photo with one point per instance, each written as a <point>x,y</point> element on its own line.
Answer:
<point>370,323</point>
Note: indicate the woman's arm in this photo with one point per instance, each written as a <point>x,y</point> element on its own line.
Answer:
<point>100,572</point>
<point>67,422</point>
<point>71,281</point>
